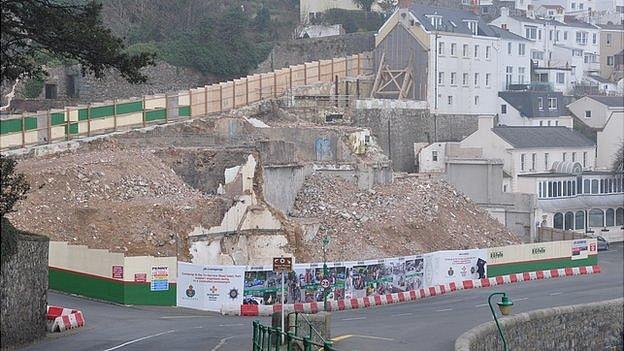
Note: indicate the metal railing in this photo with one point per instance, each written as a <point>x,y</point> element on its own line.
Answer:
<point>266,338</point>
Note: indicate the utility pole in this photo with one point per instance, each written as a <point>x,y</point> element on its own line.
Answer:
<point>435,78</point>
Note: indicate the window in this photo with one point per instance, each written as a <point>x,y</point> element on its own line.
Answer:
<point>533,161</point>
<point>465,50</point>
<point>520,75</point>
<point>569,221</point>
<point>560,78</point>
<point>476,79</point>
<point>579,218</point>
<point>587,113</point>
<point>508,75</point>
<point>487,52</point>
<point>441,48</point>
<point>594,186</point>
<point>619,216</point>
<point>436,21</point>
<point>609,39</point>
<point>550,193</point>
<point>441,78</point>
<point>530,32</point>
<point>473,26</point>
<point>537,55</point>
<point>596,218</point>
<point>476,51</point>
<point>503,109</point>
<point>610,60</point>
<point>586,186</point>
<point>434,156</point>
<point>546,155</point>
<point>487,79</point>
<point>552,103</point>
<point>453,78</point>
<point>565,35</point>
<point>450,100</point>
<point>522,162</point>
<point>453,49</point>
<point>610,218</point>
<point>476,100</point>
<point>540,103</point>
<point>594,38</point>
<point>509,48</point>
<point>565,156</point>
<point>581,38</point>
<point>465,78</point>
<point>541,123</point>
<point>549,123</point>
<point>558,220</point>
<point>584,159</point>
<point>50,91</point>
<point>573,156</point>
<point>556,36</point>
<point>550,35</point>
<point>521,49</point>
<point>539,34</point>
<point>573,5</point>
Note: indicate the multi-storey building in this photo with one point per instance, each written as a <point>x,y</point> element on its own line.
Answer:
<point>532,106</point>
<point>515,65</point>
<point>611,44</point>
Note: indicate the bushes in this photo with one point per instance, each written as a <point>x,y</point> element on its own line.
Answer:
<point>354,20</point>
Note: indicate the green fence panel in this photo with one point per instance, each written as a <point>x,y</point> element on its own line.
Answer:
<point>102,111</point>
<point>86,285</point>
<point>83,114</point>
<point>30,123</point>
<point>57,118</point>
<point>129,107</point>
<point>154,115</point>
<point>532,266</point>
<point>184,111</point>
<point>140,294</point>
<point>10,126</point>
<point>73,128</point>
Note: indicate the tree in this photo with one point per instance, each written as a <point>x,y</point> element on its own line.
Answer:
<point>65,29</point>
<point>364,4</point>
<point>618,160</point>
<point>14,186</point>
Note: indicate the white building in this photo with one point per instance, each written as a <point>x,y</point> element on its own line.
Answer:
<point>532,108</point>
<point>602,117</point>
<point>514,66</point>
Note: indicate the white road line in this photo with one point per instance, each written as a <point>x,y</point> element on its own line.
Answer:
<point>482,305</point>
<point>520,299</point>
<point>221,343</point>
<point>139,339</point>
<point>555,293</point>
<point>182,317</point>
<point>403,314</point>
<point>353,319</point>
<point>444,310</point>
<point>231,325</point>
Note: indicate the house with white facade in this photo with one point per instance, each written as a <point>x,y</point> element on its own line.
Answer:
<point>570,44</point>
<point>601,117</point>
<point>449,56</point>
<point>514,67</point>
<point>528,107</point>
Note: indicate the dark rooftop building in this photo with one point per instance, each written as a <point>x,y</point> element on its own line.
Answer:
<point>540,137</point>
<point>528,102</point>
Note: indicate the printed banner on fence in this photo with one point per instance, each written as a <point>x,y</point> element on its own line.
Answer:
<point>443,267</point>
<point>160,278</point>
<point>580,249</point>
<point>209,287</point>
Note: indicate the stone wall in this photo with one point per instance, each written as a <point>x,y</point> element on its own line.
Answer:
<point>297,51</point>
<point>23,287</point>
<point>593,326</point>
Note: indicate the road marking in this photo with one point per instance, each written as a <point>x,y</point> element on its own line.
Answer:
<point>403,314</point>
<point>353,319</point>
<point>372,337</point>
<point>231,325</point>
<point>555,293</point>
<point>520,299</point>
<point>221,343</point>
<point>139,339</point>
<point>444,310</point>
<point>482,305</point>
<point>341,337</point>
<point>183,317</point>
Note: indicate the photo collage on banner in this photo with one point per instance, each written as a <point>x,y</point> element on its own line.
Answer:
<point>347,280</point>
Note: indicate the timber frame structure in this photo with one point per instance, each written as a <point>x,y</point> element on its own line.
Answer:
<point>393,83</point>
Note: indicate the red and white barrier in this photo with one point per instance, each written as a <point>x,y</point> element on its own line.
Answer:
<point>378,300</point>
<point>60,319</point>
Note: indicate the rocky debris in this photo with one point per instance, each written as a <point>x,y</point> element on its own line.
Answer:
<point>408,216</point>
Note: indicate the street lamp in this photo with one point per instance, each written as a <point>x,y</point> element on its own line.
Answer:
<point>325,271</point>
<point>505,308</point>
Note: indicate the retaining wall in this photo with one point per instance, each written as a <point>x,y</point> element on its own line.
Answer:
<point>593,326</point>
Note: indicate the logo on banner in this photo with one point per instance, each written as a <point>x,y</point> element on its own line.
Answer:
<point>233,294</point>
<point>190,292</point>
<point>496,254</point>
<point>451,271</point>
<point>214,290</point>
<point>538,250</point>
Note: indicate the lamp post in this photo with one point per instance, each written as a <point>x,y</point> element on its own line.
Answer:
<point>325,272</point>
<point>505,308</point>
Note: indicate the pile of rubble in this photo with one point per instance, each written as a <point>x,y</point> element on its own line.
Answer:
<point>405,217</point>
<point>123,199</point>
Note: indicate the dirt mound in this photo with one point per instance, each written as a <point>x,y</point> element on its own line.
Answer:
<point>407,216</point>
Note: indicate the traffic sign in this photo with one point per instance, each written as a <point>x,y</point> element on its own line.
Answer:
<point>282,264</point>
<point>325,283</point>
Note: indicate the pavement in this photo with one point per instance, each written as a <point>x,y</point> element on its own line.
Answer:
<point>428,324</point>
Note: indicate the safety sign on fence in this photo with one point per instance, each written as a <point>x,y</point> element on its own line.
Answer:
<point>160,278</point>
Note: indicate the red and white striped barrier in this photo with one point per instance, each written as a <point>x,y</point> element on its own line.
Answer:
<point>60,319</point>
<point>378,300</point>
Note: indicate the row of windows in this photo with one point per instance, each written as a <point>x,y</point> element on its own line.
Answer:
<point>565,188</point>
<point>531,32</point>
<point>509,75</point>
<point>564,158</point>
<point>465,79</point>
<point>476,52</point>
<point>597,219</point>
<point>450,99</point>
<point>521,49</point>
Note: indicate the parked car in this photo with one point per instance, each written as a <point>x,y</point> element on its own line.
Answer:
<point>603,244</point>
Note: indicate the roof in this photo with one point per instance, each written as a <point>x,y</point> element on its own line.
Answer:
<point>452,19</point>
<point>569,22</point>
<point>552,6</point>
<point>541,137</point>
<point>600,79</point>
<point>610,26</point>
<point>526,102</point>
<point>505,34</point>
<point>611,101</point>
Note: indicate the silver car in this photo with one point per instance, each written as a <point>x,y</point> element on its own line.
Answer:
<point>603,244</point>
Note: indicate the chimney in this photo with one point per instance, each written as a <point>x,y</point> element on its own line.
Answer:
<point>405,4</point>
<point>504,12</point>
<point>486,122</point>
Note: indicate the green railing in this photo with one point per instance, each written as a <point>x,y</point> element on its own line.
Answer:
<point>266,338</point>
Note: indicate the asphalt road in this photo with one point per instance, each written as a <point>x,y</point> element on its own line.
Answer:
<point>429,324</point>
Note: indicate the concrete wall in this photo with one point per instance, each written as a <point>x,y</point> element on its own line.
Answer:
<point>23,287</point>
<point>281,185</point>
<point>297,51</point>
<point>559,328</point>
